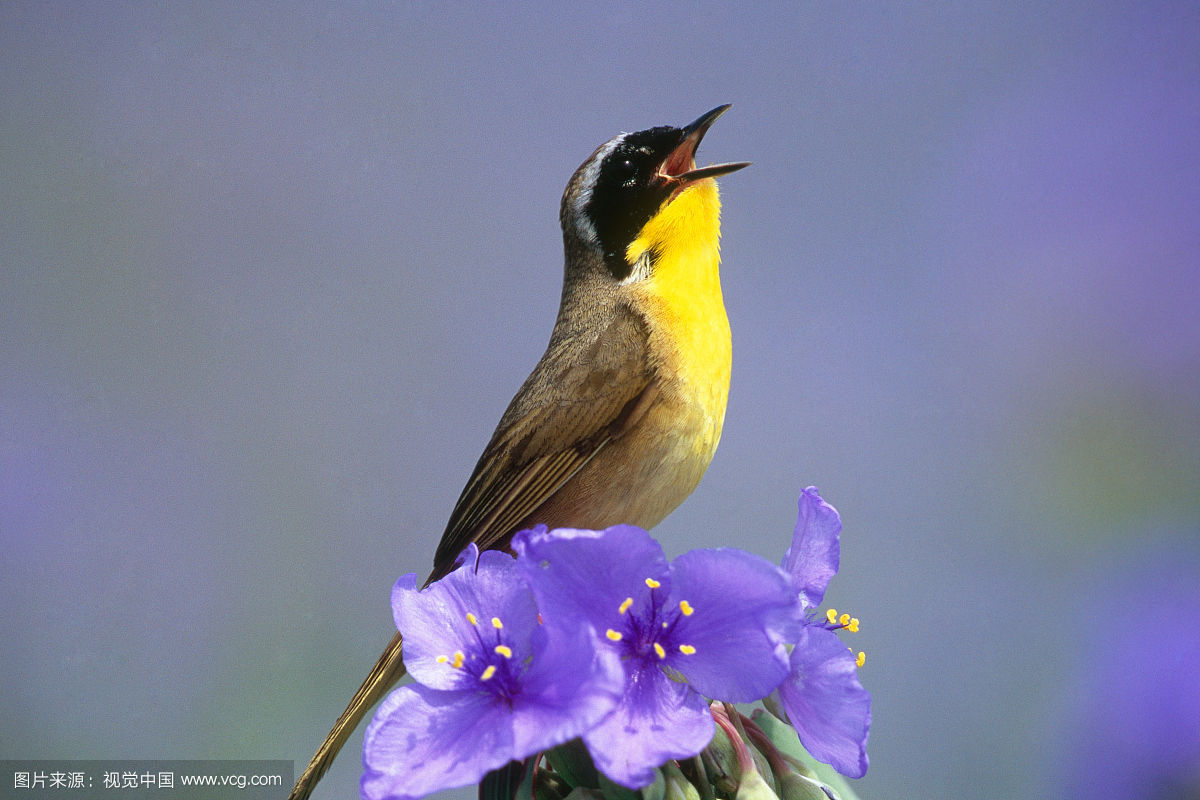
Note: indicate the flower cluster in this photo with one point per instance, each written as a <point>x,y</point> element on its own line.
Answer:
<point>590,647</point>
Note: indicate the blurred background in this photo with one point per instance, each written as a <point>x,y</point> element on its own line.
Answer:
<point>269,275</point>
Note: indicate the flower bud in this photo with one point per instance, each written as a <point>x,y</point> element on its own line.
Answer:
<point>794,786</point>
<point>721,761</point>
<point>763,766</point>
<point>753,786</point>
<point>678,787</point>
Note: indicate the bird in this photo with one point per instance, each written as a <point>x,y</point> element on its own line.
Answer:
<point>621,416</point>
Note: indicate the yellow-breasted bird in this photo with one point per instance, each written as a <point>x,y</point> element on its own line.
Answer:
<point>622,415</point>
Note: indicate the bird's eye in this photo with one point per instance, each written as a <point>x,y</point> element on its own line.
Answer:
<point>624,170</point>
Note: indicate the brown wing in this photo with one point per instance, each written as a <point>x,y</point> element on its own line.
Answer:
<point>580,397</point>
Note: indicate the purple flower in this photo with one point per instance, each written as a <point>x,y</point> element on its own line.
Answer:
<point>714,623</point>
<point>822,696</point>
<point>493,684</point>
<point>812,558</point>
<point>826,704</point>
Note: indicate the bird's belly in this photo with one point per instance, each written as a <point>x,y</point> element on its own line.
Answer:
<point>640,478</point>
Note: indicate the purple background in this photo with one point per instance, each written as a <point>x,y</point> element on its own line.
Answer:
<point>269,275</point>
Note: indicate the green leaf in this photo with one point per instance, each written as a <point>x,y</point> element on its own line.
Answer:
<point>584,793</point>
<point>524,790</point>
<point>504,783</point>
<point>574,765</point>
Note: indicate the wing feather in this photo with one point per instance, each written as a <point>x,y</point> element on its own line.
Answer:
<point>569,409</point>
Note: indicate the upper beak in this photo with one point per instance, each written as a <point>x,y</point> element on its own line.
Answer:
<point>680,165</point>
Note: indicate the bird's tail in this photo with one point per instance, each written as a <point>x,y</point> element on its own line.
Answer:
<point>387,670</point>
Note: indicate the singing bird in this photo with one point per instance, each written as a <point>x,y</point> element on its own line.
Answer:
<point>621,416</point>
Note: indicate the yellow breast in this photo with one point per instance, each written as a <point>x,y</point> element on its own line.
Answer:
<point>682,295</point>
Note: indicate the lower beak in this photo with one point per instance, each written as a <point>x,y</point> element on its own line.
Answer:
<point>680,165</point>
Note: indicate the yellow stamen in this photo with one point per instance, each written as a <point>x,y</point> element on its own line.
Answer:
<point>613,636</point>
<point>471,618</point>
<point>831,615</point>
<point>853,626</point>
<point>504,650</point>
<point>488,673</point>
<point>861,658</point>
<point>496,623</point>
<point>658,648</point>
<point>687,649</point>
<point>458,659</point>
<point>686,608</point>
<point>443,659</point>
<point>653,584</point>
<point>621,609</point>
<point>844,620</point>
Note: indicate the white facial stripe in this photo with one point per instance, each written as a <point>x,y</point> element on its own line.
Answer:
<point>591,172</point>
<point>642,269</point>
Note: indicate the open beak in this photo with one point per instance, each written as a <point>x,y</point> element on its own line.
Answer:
<point>680,166</point>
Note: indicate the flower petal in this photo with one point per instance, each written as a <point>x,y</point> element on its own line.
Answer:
<point>456,614</point>
<point>582,574</point>
<point>569,686</point>
<point>658,719</point>
<point>407,583</point>
<point>825,702</point>
<point>742,614</point>
<point>423,740</point>
<point>812,558</point>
